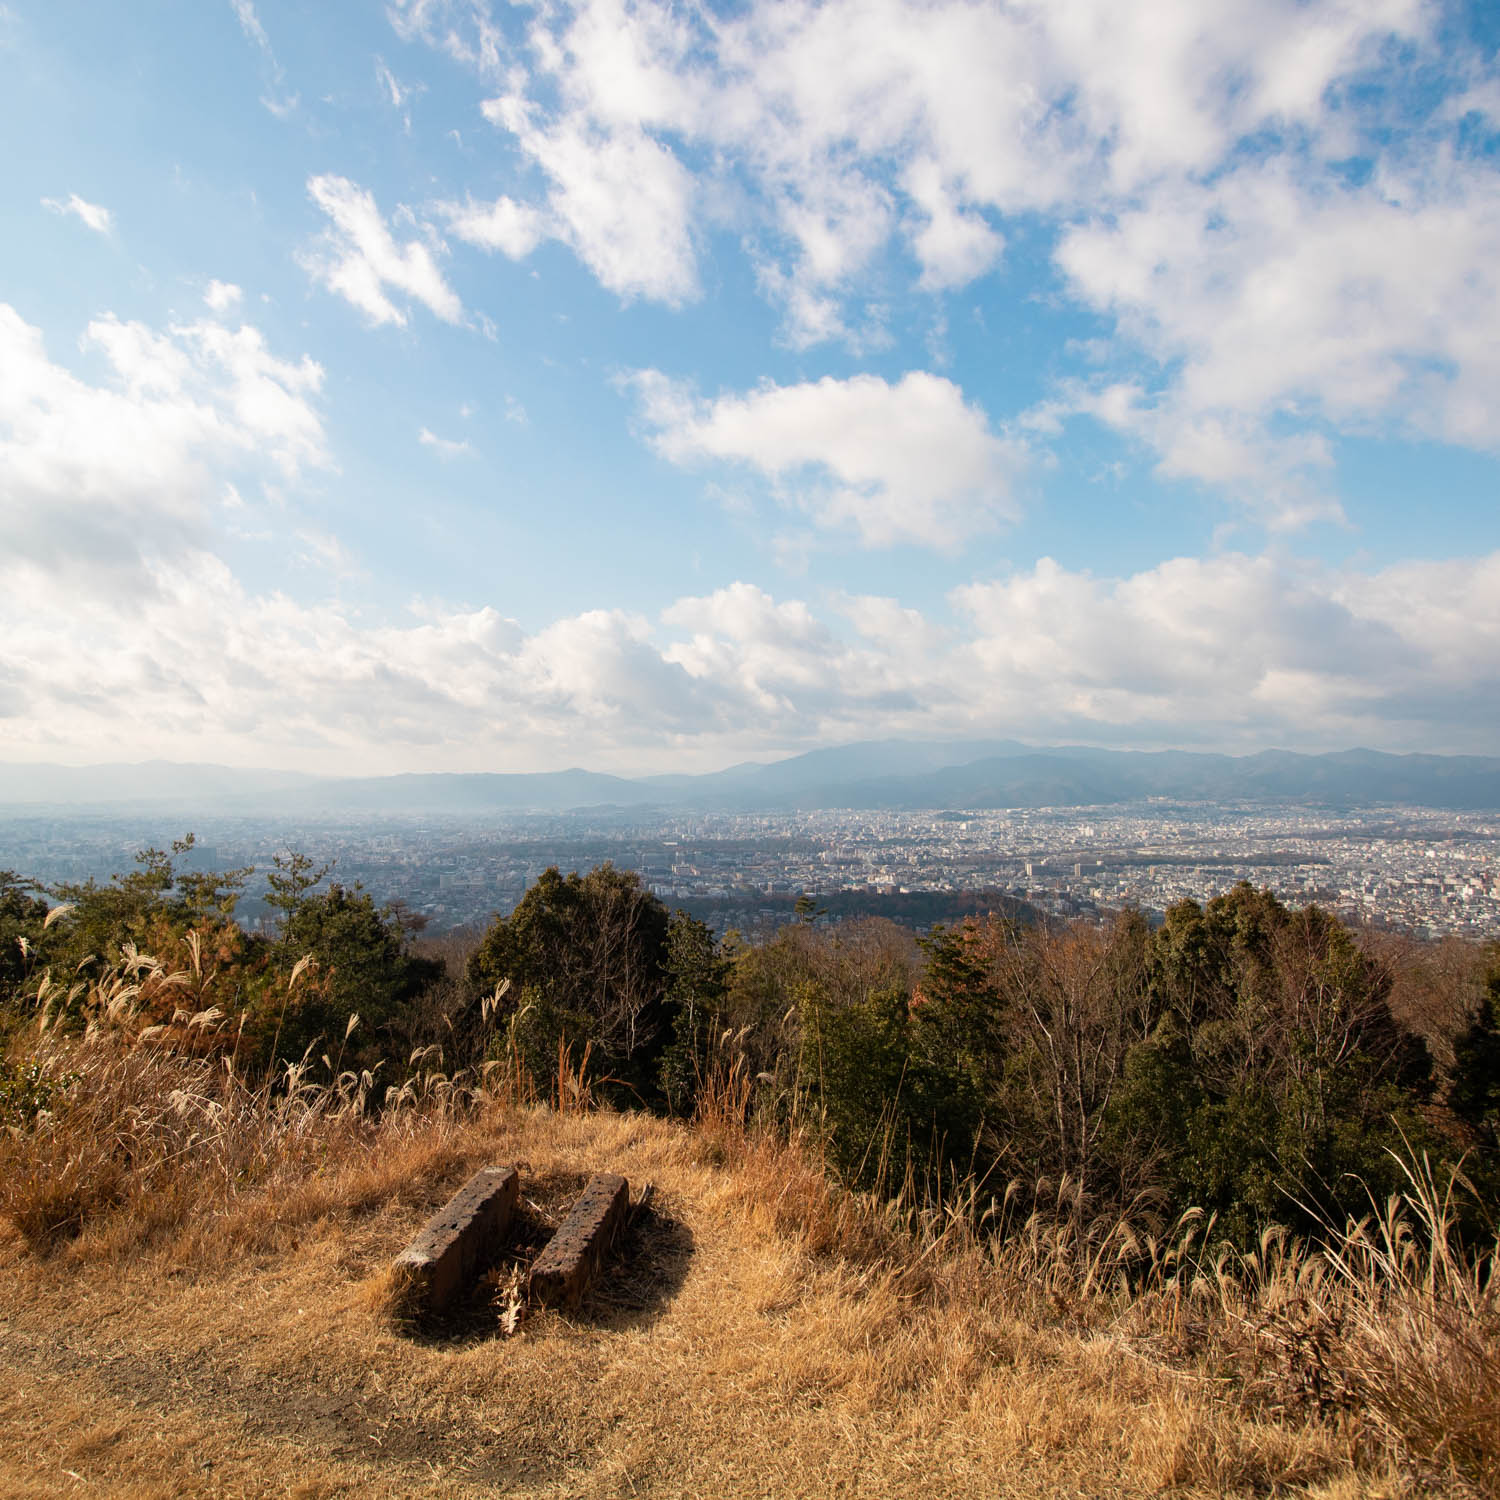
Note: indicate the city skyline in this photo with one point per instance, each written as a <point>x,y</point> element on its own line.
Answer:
<point>1428,872</point>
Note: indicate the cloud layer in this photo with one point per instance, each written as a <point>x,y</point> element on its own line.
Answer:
<point>1237,652</point>
<point>1281,253</point>
<point>1240,237</point>
<point>121,622</point>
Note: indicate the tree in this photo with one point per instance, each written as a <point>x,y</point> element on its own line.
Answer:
<point>290,882</point>
<point>697,972</point>
<point>135,906</point>
<point>361,966</point>
<point>806,909</point>
<point>587,960</point>
<point>1276,1080</point>
<point>1474,1095</point>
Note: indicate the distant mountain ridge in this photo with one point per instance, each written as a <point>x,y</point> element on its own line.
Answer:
<point>871,775</point>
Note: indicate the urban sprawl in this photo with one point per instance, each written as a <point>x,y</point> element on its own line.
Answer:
<point>1432,873</point>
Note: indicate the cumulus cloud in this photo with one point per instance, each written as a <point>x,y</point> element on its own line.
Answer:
<point>1243,650</point>
<point>1271,301</point>
<point>619,197</point>
<point>911,462</point>
<point>850,122</point>
<point>119,621</point>
<point>95,216</point>
<point>358,257</point>
<point>95,476</point>
<point>1282,259</point>
<point>514,229</point>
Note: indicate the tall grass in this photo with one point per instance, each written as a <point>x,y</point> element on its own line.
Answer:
<point>133,1129</point>
<point>1418,1323</point>
<point>1386,1328</point>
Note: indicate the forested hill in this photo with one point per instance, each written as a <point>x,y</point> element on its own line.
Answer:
<point>889,774</point>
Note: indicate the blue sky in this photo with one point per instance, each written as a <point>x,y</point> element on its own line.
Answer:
<point>446,385</point>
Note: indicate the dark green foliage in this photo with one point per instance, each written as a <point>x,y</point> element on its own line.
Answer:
<point>592,951</point>
<point>290,882</point>
<point>807,910</point>
<point>104,917</point>
<point>1243,1059</point>
<point>959,1038</point>
<point>1277,1082</point>
<point>1474,1095</point>
<point>857,1056</point>
<point>697,983</point>
<point>360,963</point>
<point>22,933</point>
<point>361,966</point>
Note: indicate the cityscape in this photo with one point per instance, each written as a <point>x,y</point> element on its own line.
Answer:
<point>1430,872</point>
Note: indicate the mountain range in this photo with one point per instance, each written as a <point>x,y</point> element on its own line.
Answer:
<point>880,774</point>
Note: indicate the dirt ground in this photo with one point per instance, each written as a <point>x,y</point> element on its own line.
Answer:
<point>718,1357</point>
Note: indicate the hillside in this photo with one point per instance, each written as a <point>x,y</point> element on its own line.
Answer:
<point>759,1336</point>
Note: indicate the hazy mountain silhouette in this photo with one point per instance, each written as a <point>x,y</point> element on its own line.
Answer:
<point>891,774</point>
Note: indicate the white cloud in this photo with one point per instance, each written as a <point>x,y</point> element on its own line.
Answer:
<point>1273,301</point>
<point>444,447</point>
<point>278,102</point>
<point>515,229</point>
<point>1284,257</point>
<point>96,217</point>
<point>222,295</point>
<point>358,257</point>
<point>120,625</point>
<point>910,462</point>
<point>1240,651</point>
<point>619,197</point>
<point>847,121</point>
<point>954,246</point>
<point>95,477</point>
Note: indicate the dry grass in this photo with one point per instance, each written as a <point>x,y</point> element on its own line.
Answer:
<point>197,1302</point>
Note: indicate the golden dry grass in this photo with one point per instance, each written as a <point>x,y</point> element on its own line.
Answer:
<point>197,1301</point>
<point>763,1335</point>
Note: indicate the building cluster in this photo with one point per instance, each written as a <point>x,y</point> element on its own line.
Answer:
<point>1433,873</point>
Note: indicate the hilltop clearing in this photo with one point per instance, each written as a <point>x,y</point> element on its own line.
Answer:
<point>760,1334</point>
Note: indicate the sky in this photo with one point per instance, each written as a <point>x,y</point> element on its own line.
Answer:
<point>455,385</point>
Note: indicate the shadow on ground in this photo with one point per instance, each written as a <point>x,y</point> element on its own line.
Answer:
<point>641,1275</point>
